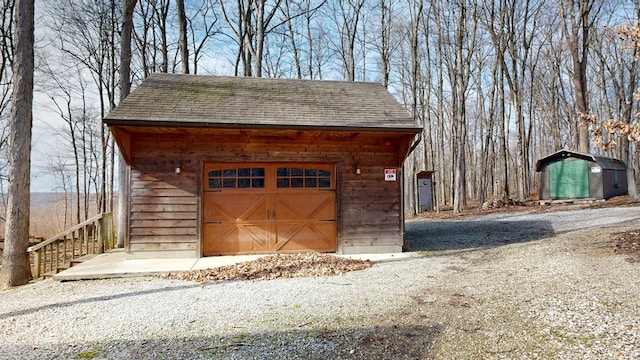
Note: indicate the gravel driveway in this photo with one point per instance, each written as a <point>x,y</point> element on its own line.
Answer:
<point>500,286</point>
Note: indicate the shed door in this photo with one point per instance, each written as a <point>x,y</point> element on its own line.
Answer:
<point>268,208</point>
<point>425,195</point>
<point>569,179</point>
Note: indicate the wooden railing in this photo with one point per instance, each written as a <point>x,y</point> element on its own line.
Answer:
<point>94,236</point>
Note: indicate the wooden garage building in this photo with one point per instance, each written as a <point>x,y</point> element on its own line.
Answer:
<point>572,175</point>
<point>236,165</point>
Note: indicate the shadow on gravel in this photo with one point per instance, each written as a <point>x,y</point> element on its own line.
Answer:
<point>370,342</point>
<point>93,299</point>
<point>444,235</point>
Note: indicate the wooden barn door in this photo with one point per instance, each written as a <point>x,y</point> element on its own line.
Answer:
<point>235,205</point>
<point>268,208</point>
<point>304,208</point>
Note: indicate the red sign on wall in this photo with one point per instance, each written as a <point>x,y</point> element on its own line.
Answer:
<point>389,174</point>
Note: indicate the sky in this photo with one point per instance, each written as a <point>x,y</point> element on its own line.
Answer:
<point>43,145</point>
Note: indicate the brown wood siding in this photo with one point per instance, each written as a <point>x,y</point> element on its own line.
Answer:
<point>165,205</point>
<point>371,211</point>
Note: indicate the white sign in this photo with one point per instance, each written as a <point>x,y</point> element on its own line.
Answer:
<point>596,169</point>
<point>389,174</point>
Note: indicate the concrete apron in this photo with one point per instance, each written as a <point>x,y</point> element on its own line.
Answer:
<point>117,264</point>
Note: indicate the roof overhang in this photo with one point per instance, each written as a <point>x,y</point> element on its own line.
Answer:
<point>214,125</point>
<point>400,138</point>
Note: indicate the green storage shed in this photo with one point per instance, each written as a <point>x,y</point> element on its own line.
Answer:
<point>572,175</point>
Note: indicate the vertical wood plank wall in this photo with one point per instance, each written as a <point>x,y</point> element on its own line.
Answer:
<point>165,205</point>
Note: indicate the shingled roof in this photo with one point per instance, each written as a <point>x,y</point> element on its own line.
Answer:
<point>604,162</point>
<point>213,101</point>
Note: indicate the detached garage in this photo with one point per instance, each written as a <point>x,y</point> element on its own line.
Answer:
<point>236,165</point>
<point>573,175</point>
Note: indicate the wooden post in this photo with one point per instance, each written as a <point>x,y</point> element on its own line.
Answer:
<point>108,232</point>
<point>35,271</point>
<point>100,234</point>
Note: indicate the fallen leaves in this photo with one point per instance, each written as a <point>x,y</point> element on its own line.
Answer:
<point>276,266</point>
<point>628,243</point>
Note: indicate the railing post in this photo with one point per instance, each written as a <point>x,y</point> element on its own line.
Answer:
<point>98,234</point>
<point>106,230</point>
<point>35,271</point>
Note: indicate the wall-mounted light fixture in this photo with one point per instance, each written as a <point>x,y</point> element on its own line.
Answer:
<point>357,169</point>
<point>178,169</point>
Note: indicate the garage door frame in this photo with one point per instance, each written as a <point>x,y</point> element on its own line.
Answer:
<point>249,214</point>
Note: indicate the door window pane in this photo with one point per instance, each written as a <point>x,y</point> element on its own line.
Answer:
<point>215,183</point>
<point>297,182</point>
<point>244,183</point>
<point>324,183</point>
<point>257,183</point>
<point>283,182</point>
<point>229,183</point>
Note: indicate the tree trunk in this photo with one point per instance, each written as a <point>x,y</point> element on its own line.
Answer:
<point>125,88</point>
<point>504,150</point>
<point>459,119</point>
<point>291,34</point>
<point>15,259</point>
<point>182,42</point>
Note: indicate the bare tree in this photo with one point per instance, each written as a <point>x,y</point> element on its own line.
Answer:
<point>250,24</point>
<point>386,12</point>
<point>460,44</point>
<point>151,34</point>
<point>619,76</point>
<point>16,269</point>
<point>182,42</point>
<point>346,16</point>
<point>416,162</point>
<point>578,18</point>
<point>203,25</point>
<point>512,26</point>
<point>291,11</point>
<point>60,169</point>
<point>84,36</point>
